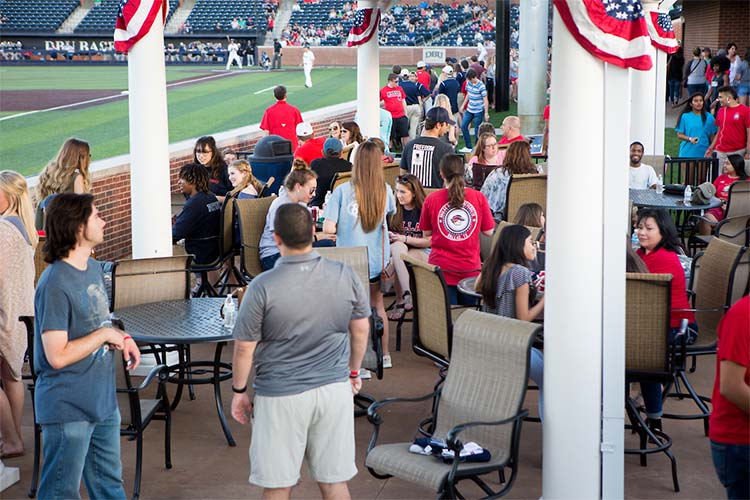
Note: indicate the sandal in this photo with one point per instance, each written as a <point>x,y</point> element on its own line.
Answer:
<point>407,305</point>
<point>396,313</point>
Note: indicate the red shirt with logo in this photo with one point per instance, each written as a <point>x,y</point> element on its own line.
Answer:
<point>733,124</point>
<point>393,98</point>
<point>311,150</point>
<point>282,119</point>
<point>455,232</point>
<point>727,423</point>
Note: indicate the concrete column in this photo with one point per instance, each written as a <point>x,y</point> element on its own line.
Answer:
<point>532,64</point>
<point>584,298</point>
<point>648,98</point>
<point>368,81</point>
<point>149,146</point>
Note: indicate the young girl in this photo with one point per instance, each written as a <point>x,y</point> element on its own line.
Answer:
<point>242,179</point>
<point>356,214</point>
<point>733,171</point>
<point>406,236</point>
<point>67,172</point>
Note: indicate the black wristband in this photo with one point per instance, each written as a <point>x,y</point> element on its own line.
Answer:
<point>239,391</point>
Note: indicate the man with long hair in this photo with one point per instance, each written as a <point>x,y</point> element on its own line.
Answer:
<point>74,396</point>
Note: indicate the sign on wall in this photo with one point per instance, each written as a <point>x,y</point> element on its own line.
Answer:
<point>433,56</point>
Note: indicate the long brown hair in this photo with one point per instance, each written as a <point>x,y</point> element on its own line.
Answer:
<point>479,150</point>
<point>452,170</point>
<point>518,159</point>
<point>244,167</point>
<point>369,187</point>
<point>410,182</point>
<point>529,214</point>
<point>354,133</point>
<point>74,156</point>
<point>216,164</point>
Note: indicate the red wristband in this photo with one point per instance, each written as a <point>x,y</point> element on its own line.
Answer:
<point>354,374</point>
<point>126,337</point>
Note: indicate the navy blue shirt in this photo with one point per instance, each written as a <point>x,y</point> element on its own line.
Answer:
<point>413,91</point>
<point>200,218</point>
<point>451,87</point>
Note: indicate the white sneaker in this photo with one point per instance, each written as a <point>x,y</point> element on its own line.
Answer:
<point>364,374</point>
<point>387,363</point>
<point>465,150</point>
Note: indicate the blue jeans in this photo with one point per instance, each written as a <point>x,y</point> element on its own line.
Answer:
<point>457,298</point>
<point>468,118</point>
<point>88,450</point>
<point>732,461</point>
<point>536,374</point>
<point>673,90</point>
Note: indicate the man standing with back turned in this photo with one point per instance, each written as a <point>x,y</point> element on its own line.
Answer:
<point>73,353</point>
<point>305,363</point>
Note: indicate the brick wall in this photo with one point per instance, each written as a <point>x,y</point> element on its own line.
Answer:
<point>111,185</point>
<point>715,23</point>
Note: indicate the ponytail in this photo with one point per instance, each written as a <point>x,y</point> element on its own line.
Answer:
<point>452,170</point>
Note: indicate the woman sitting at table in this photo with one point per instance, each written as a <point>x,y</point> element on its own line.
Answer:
<point>406,236</point>
<point>351,138</point>
<point>517,161</point>
<point>486,151</point>
<point>507,287</point>
<point>733,171</point>
<point>453,218</point>
<point>660,243</point>
<point>531,215</point>
<point>207,154</point>
<point>246,186</point>
<point>695,128</point>
<point>356,214</point>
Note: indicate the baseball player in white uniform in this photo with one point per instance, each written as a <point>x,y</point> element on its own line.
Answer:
<point>308,58</point>
<point>232,49</point>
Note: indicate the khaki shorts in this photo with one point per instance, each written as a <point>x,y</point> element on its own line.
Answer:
<point>317,425</point>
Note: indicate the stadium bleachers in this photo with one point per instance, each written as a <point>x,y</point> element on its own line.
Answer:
<point>34,15</point>
<point>101,18</point>
<point>318,15</point>
<point>207,13</point>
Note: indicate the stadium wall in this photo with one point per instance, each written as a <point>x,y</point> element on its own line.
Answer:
<point>111,177</point>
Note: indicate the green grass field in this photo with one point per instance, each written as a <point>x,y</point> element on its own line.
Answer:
<point>208,107</point>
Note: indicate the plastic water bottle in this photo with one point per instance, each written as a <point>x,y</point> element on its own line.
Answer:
<point>688,196</point>
<point>660,185</point>
<point>634,242</point>
<point>230,313</point>
<point>325,200</point>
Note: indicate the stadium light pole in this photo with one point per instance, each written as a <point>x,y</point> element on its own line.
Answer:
<point>502,55</point>
<point>149,146</point>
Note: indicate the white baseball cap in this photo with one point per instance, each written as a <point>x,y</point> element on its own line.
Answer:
<point>404,73</point>
<point>420,64</point>
<point>304,129</point>
<point>448,70</point>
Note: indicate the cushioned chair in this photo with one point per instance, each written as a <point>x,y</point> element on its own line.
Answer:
<point>39,264</point>
<point>340,178</point>
<point>735,227</point>
<point>28,321</point>
<point>390,172</point>
<point>525,188</point>
<point>252,214</point>
<point>648,355</point>
<point>487,243</point>
<point>227,250</point>
<point>480,401</point>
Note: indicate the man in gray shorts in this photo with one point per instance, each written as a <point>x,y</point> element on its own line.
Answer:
<point>304,324</point>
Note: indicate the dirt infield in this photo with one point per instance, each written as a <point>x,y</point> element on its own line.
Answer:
<point>32,100</point>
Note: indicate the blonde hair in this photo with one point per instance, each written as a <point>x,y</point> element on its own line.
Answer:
<point>369,185</point>
<point>74,157</point>
<point>243,166</point>
<point>14,187</point>
<point>444,102</point>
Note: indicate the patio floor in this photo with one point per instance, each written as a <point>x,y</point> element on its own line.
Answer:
<point>205,467</point>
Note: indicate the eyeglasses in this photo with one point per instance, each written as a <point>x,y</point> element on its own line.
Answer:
<point>493,145</point>
<point>201,152</point>
<point>333,128</point>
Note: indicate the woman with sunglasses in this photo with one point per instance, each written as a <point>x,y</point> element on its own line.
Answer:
<point>356,214</point>
<point>334,130</point>
<point>351,138</point>
<point>406,236</point>
<point>207,154</point>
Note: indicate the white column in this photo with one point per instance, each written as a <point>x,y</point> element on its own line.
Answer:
<point>532,63</point>
<point>149,146</point>
<point>584,298</point>
<point>368,81</point>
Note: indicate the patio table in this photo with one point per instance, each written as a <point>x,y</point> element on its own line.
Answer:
<point>649,198</point>
<point>185,322</point>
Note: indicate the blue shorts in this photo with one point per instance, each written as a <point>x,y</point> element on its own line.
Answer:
<point>743,90</point>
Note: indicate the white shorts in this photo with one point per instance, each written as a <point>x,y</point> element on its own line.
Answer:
<point>317,425</point>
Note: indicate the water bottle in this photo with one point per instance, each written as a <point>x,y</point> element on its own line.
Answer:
<point>634,241</point>
<point>325,200</point>
<point>230,314</point>
<point>688,196</point>
<point>660,185</point>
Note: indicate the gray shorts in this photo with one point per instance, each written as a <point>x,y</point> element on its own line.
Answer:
<point>317,425</point>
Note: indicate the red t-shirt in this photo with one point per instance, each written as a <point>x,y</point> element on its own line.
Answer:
<point>733,124</point>
<point>727,423</point>
<point>722,184</point>
<point>545,113</point>
<point>455,232</point>
<point>663,261</point>
<point>505,140</point>
<point>311,150</point>
<point>282,119</point>
<point>393,97</point>
<point>423,77</point>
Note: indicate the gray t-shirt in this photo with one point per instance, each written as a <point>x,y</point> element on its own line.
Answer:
<point>299,314</point>
<point>74,301</point>
<point>505,293</point>
<point>267,245</point>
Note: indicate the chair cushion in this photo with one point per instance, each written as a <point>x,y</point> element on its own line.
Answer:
<point>430,472</point>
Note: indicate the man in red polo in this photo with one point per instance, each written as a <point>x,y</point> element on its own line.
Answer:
<point>310,148</point>
<point>282,118</point>
<point>511,130</point>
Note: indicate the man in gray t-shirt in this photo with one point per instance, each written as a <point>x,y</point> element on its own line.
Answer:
<point>304,325</point>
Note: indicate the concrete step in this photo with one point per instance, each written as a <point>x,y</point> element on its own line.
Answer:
<point>74,19</point>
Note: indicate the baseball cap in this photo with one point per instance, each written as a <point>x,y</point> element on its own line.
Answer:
<point>404,73</point>
<point>304,129</point>
<point>447,70</point>
<point>420,64</point>
<point>439,115</point>
<point>332,147</point>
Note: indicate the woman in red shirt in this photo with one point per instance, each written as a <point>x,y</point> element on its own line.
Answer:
<point>660,243</point>
<point>733,171</point>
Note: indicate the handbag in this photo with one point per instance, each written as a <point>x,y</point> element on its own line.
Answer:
<point>703,193</point>
<point>674,189</point>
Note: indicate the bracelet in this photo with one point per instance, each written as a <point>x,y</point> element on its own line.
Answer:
<point>126,337</point>
<point>239,391</point>
<point>354,374</point>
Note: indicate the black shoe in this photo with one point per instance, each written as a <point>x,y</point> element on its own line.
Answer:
<point>654,424</point>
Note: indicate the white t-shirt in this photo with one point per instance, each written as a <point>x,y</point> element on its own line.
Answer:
<point>642,177</point>
<point>308,58</point>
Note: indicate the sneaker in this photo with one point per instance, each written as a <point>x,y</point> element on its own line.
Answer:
<point>364,374</point>
<point>387,363</point>
<point>465,150</point>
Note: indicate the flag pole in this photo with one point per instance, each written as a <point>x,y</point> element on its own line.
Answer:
<point>149,146</point>
<point>368,81</point>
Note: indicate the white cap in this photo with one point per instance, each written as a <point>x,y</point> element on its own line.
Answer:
<point>304,129</point>
<point>448,70</point>
<point>420,64</point>
<point>404,73</point>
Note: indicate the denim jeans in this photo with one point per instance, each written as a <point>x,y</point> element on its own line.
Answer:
<point>732,461</point>
<point>536,374</point>
<point>88,450</point>
<point>673,90</point>
<point>457,298</point>
<point>468,118</point>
